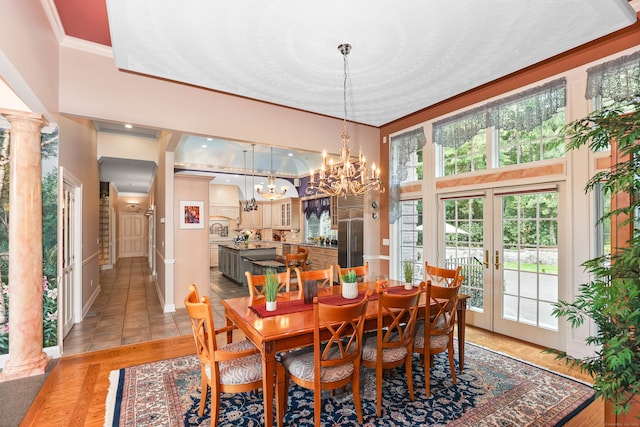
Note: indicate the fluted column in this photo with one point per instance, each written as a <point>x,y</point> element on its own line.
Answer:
<point>26,357</point>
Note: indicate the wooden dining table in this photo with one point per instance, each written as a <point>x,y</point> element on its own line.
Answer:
<point>293,328</point>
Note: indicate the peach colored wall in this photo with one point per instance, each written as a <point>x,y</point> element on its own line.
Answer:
<point>29,59</point>
<point>127,147</point>
<point>91,86</point>
<point>77,144</point>
<point>191,245</point>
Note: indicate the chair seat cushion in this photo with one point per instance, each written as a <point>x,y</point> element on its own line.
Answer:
<point>300,364</point>
<point>389,355</point>
<point>243,370</point>
<point>437,341</point>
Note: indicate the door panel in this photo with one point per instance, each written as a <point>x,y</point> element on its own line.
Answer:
<point>132,235</point>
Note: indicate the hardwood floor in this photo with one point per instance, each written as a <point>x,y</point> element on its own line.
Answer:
<point>76,390</point>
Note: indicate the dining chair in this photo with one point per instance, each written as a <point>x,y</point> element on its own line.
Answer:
<point>324,278</point>
<point>441,276</point>
<point>435,335</point>
<point>334,360</point>
<point>233,368</point>
<point>391,345</point>
<point>299,261</point>
<point>257,282</point>
<point>362,272</point>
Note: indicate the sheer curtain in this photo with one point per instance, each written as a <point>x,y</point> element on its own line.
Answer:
<point>401,148</point>
<point>522,111</point>
<point>617,80</point>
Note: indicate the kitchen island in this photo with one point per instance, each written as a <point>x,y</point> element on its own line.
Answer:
<point>235,260</point>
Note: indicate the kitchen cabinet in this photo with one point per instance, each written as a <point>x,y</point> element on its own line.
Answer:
<point>213,254</point>
<point>285,214</point>
<point>251,219</point>
<point>322,258</point>
<point>267,215</point>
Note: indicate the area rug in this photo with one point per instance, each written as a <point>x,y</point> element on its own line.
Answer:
<point>493,390</point>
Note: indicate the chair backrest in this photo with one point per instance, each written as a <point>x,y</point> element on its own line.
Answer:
<point>324,278</point>
<point>443,302</point>
<point>297,260</point>
<point>257,282</point>
<point>199,311</point>
<point>441,276</point>
<point>337,333</point>
<point>401,311</point>
<point>362,272</point>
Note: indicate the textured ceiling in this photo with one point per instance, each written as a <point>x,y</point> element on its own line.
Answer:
<point>406,56</point>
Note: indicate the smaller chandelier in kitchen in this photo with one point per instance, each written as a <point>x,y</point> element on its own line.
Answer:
<point>271,193</point>
<point>350,176</point>
<point>248,205</point>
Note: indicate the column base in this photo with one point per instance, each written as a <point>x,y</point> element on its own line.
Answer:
<point>13,371</point>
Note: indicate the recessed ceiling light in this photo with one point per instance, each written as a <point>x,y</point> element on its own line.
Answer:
<point>204,145</point>
<point>290,154</point>
<point>209,139</point>
<point>128,126</point>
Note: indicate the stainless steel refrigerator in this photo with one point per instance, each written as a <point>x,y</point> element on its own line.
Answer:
<point>350,237</point>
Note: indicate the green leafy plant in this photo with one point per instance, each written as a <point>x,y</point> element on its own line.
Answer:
<point>350,277</point>
<point>407,267</point>
<point>612,297</point>
<point>271,285</point>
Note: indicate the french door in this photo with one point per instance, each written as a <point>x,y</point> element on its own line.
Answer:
<point>506,241</point>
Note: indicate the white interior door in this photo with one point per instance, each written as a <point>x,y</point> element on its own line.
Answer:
<point>68,259</point>
<point>507,244</point>
<point>133,241</point>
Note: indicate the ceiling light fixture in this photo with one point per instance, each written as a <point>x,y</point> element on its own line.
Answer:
<point>247,205</point>
<point>346,178</point>
<point>271,193</point>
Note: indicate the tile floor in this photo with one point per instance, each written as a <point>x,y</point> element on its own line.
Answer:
<point>128,310</point>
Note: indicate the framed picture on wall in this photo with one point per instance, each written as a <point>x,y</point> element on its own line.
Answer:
<point>191,214</point>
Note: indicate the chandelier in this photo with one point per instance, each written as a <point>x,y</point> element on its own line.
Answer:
<point>248,205</point>
<point>271,193</point>
<point>347,177</point>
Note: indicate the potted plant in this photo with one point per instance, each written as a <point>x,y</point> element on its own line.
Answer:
<point>271,289</point>
<point>407,266</point>
<point>349,285</point>
<point>612,296</point>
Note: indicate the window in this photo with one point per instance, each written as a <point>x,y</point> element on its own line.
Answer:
<point>318,227</point>
<point>522,128</point>
<point>411,237</point>
<point>602,228</point>
<point>317,219</point>
<point>614,82</point>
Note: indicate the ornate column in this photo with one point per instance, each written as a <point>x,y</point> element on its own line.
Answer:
<point>26,357</point>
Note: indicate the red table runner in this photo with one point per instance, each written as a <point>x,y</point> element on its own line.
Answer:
<point>298,305</point>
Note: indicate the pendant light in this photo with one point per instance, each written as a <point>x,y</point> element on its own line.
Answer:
<point>271,193</point>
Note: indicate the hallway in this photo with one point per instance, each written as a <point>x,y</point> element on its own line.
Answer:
<point>128,310</point>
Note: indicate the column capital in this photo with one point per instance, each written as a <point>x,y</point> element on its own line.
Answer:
<point>14,116</point>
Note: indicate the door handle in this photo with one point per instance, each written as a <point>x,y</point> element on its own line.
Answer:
<point>486,258</point>
<point>497,260</point>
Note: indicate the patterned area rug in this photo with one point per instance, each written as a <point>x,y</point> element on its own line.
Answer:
<point>493,390</point>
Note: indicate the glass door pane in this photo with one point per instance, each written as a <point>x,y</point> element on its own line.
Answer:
<point>525,261</point>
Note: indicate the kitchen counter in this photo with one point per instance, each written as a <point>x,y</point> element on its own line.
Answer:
<point>314,245</point>
<point>233,260</point>
<point>249,247</point>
